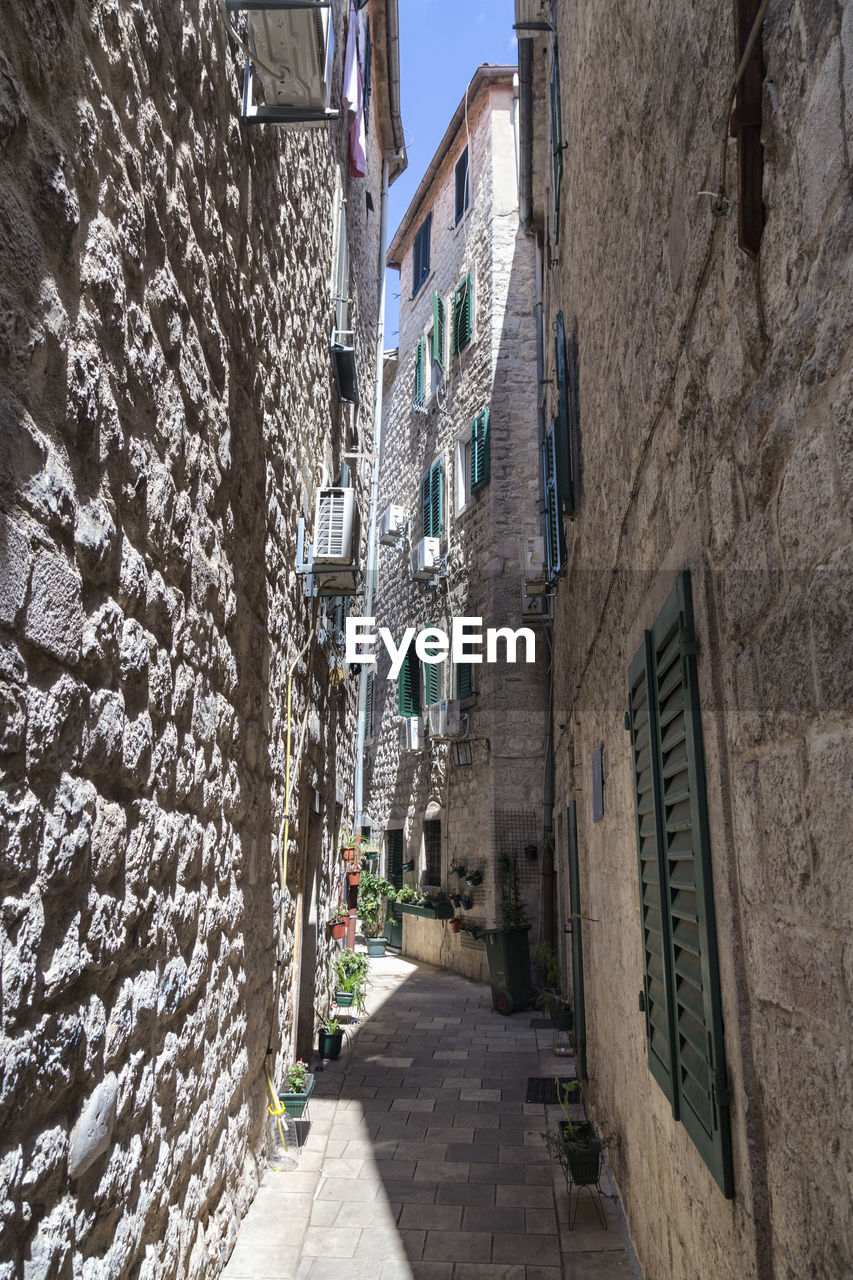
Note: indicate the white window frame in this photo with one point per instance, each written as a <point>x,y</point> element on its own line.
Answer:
<point>462,472</point>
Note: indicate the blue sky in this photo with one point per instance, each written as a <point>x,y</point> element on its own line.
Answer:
<point>442,42</point>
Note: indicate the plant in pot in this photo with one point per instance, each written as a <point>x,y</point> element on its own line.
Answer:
<point>350,845</point>
<point>374,892</point>
<point>455,924</point>
<point>296,1088</point>
<point>350,979</point>
<point>466,903</point>
<point>551,1000</point>
<point>330,1037</point>
<point>577,1148</point>
<point>337,923</point>
<point>459,869</point>
<point>410,865</point>
<point>474,877</point>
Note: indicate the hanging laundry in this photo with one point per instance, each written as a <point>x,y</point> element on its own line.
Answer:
<point>353,92</point>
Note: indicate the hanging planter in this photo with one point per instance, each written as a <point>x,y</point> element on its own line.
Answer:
<point>467,903</point>
<point>337,928</point>
<point>456,900</point>
<point>295,1092</point>
<point>459,869</point>
<point>455,925</point>
<point>344,999</point>
<point>349,855</point>
<point>474,877</point>
<point>410,865</point>
<point>353,878</point>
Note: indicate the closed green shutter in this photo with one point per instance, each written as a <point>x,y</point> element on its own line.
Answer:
<point>432,501</point>
<point>394,857</point>
<point>555,538</point>
<point>463,314</point>
<point>409,686</point>
<point>579,1028</point>
<point>480,451</point>
<point>438,330</point>
<point>556,138</point>
<point>463,187</point>
<point>676,889</point>
<point>418,391</point>
<point>368,705</point>
<point>420,254</point>
<point>432,682</point>
<point>561,441</point>
<point>464,680</point>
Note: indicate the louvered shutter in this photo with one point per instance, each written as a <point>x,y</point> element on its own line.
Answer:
<point>408,686</point>
<point>394,857</point>
<point>432,682</point>
<point>666,667</point>
<point>418,390</point>
<point>438,330</point>
<point>480,449</point>
<point>555,539</point>
<point>368,705</point>
<point>463,314</point>
<point>561,440</point>
<point>464,680</point>
<point>432,501</point>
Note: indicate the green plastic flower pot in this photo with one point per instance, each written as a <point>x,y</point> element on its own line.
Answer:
<point>376,946</point>
<point>295,1103</point>
<point>330,1043</point>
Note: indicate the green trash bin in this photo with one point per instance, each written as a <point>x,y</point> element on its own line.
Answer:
<point>508,953</point>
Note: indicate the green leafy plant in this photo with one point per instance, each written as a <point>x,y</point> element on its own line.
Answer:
<point>547,957</point>
<point>351,970</point>
<point>511,904</point>
<point>296,1076</point>
<point>373,893</point>
<point>330,1025</point>
<point>459,869</point>
<point>409,893</point>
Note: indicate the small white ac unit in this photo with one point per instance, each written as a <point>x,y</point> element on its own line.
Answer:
<point>424,557</point>
<point>444,719</point>
<point>534,606</point>
<point>535,566</point>
<point>334,522</point>
<point>413,737</point>
<point>293,45</point>
<point>392,525</point>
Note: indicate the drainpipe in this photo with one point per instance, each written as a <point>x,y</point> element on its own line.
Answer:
<point>370,573</point>
<point>548,788</point>
<point>525,114</point>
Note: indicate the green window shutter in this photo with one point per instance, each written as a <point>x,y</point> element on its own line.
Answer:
<point>561,441</point>
<point>368,705</point>
<point>464,680</point>
<point>420,361</point>
<point>480,450</point>
<point>432,682</point>
<point>432,501</point>
<point>556,138</point>
<point>438,329</point>
<point>555,538</point>
<point>394,857</point>
<point>463,314</point>
<point>672,811</point>
<point>408,686</point>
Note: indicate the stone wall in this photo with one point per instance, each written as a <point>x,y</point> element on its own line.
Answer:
<point>715,400</point>
<point>167,409</point>
<point>506,714</point>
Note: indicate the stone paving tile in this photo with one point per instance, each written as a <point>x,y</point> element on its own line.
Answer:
<point>465,1193</point>
<point>432,1217</point>
<point>457,1246</point>
<point>492,1218</point>
<point>390,1244</point>
<point>541,1249</point>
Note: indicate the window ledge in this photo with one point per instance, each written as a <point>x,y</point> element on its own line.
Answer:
<point>423,283</point>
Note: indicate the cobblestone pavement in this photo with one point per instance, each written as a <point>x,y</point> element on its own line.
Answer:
<point>423,1161</point>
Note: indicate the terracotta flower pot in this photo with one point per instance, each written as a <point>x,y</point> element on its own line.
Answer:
<point>338,928</point>
<point>455,925</point>
<point>353,878</point>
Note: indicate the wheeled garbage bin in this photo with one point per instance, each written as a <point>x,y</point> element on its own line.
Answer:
<point>508,953</point>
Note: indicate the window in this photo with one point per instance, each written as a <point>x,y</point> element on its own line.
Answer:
<point>394,857</point>
<point>462,484</point>
<point>437,331</point>
<point>555,537</point>
<point>409,685</point>
<point>561,451</point>
<point>479,452</point>
<point>432,850</point>
<point>464,680</point>
<point>463,315</point>
<point>463,190</point>
<point>432,501</point>
<point>340,282</point>
<point>368,705</point>
<point>419,388</point>
<point>556,138</point>
<point>681,996</point>
<point>420,255</point>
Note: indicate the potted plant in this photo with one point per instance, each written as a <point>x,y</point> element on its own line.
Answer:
<point>434,906</point>
<point>330,1037</point>
<point>576,1146</point>
<point>337,923</point>
<point>353,878</point>
<point>558,1009</point>
<point>296,1088</point>
<point>455,925</point>
<point>350,845</point>
<point>467,902</point>
<point>474,877</point>
<point>376,947</point>
<point>350,979</point>
<point>410,865</point>
<point>459,869</point>
<point>374,892</point>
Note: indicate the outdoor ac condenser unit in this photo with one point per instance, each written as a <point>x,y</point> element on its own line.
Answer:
<point>413,738</point>
<point>535,566</point>
<point>294,45</point>
<point>334,523</point>
<point>534,608</point>
<point>392,525</point>
<point>424,557</point>
<point>444,720</point>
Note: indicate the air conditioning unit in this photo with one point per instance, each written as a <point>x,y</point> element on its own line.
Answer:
<point>413,735</point>
<point>291,52</point>
<point>424,558</point>
<point>392,525</point>
<point>335,548</point>
<point>444,720</point>
<point>534,607</point>
<point>535,566</point>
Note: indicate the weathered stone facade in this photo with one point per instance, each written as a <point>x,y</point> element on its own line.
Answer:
<point>167,411</point>
<point>715,395</point>
<point>482,539</point>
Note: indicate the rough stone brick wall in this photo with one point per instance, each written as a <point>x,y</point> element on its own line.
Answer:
<point>166,409</point>
<point>507,713</point>
<point>731,459</point>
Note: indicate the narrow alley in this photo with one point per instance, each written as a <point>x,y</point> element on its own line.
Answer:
<point>424,1160</point>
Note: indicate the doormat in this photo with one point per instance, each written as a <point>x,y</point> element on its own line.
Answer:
<point>540,1024</point>
<point>543,1089</point>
